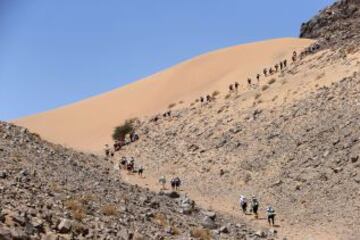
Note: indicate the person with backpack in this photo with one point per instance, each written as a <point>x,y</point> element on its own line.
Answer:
<point>271,215</point>
<point>236,86</point>
<point>107,150</point>
<point>243,203</point>
<point>265,72</point>
<point>255,206</point>
<point>162,181</point>
<point>258,78</point>
<point>175,183</point>
<point>141,171</point>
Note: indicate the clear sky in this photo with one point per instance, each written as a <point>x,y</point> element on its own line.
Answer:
<point>55,52</point>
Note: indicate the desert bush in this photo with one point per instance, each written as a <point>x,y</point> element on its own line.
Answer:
<point>258,95</point>
<point>160,218</point>
<point>200,233</point>
<point>109,210</point>
<point>271,81</point>
<point>215,93</point>
<point>227,96</point>
<point>76,209</point>
<point>121,131</point>
<point>181,102</point>
<point>263,88</point>
<point>171,105</point>
<point>192,104</point>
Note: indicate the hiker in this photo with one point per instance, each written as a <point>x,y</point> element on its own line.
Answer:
<point>123,163</point>
<point>231,88</point>
<point>141,171</point>
<point>162,181</point>
<point>130,165</point>
<point>169,113</point>
<point>133,136</point>
<point>276,67</point>
<point>258,77</point>
<point>255,206</point>
<point>236,85</point>
<point>265,72</point>
<point>281,65</point>
<point>117,146</point>
<point>202,99</point>
<point>271,215</point>
<point>175,183</point>
<point>208,98</point>
<point>271,71</point>
<point>107,150</point>
<point>294,56</point>
<point>249,81</point>
<point>285,63</point>
<point>243,203</point>
<point>164,114</point>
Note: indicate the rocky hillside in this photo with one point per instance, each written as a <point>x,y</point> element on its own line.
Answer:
<point>335,24</point>
<point>50,192</point>
<point>300,153</point>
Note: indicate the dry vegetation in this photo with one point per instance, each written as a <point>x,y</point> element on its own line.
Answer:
<point>109,210</point>
<point>201,234</point>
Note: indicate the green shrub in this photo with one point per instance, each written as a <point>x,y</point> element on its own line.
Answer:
<point>121,131</point>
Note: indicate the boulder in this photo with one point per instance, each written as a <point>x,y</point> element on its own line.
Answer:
<point>208,223</point>
<point>65,226</point>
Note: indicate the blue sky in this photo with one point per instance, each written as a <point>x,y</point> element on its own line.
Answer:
<point>56,52</point>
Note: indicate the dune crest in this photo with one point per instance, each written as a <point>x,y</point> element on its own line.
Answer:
<point>88,124</point>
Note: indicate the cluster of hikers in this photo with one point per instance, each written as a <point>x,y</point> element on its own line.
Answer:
<point>175,183</point>
<point>118,144</point>
<point>128,164</point>
<point>254,207</point>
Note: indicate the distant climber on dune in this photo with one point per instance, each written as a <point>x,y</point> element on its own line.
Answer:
<point>208,98</point>
<point>249,82</point>
<point>285,63</point>
<point>281,65</point>
<point>258,77</point>
<point>265,72</point>
<point>236,86</point>
<point>201,99</point>
<point>271,71</point>
<point>231,88</point>
<point>276,67</point>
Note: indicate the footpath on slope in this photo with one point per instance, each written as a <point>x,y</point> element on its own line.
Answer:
<point>232,209</point>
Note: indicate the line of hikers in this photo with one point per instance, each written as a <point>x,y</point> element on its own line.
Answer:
<point>254,207</point>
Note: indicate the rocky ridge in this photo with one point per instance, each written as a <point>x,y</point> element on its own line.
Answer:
<point>336,25</point>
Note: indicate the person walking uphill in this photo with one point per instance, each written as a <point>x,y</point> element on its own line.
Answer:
<point>255,206</point>
<point>271,215</point>
<point>243,203</point>
<point>162,181</point>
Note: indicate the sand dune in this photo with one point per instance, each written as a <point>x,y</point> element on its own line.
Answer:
<point>88,124</point>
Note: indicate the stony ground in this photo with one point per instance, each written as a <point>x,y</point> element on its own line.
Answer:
<point>301,156</point>
<point>50,192</point>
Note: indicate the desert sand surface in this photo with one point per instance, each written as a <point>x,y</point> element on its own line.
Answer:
<point>87,125</point>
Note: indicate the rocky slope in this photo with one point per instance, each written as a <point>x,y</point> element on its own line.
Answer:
<point>50,192</point>
<point>302,156</point>
<point>335,24</point>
